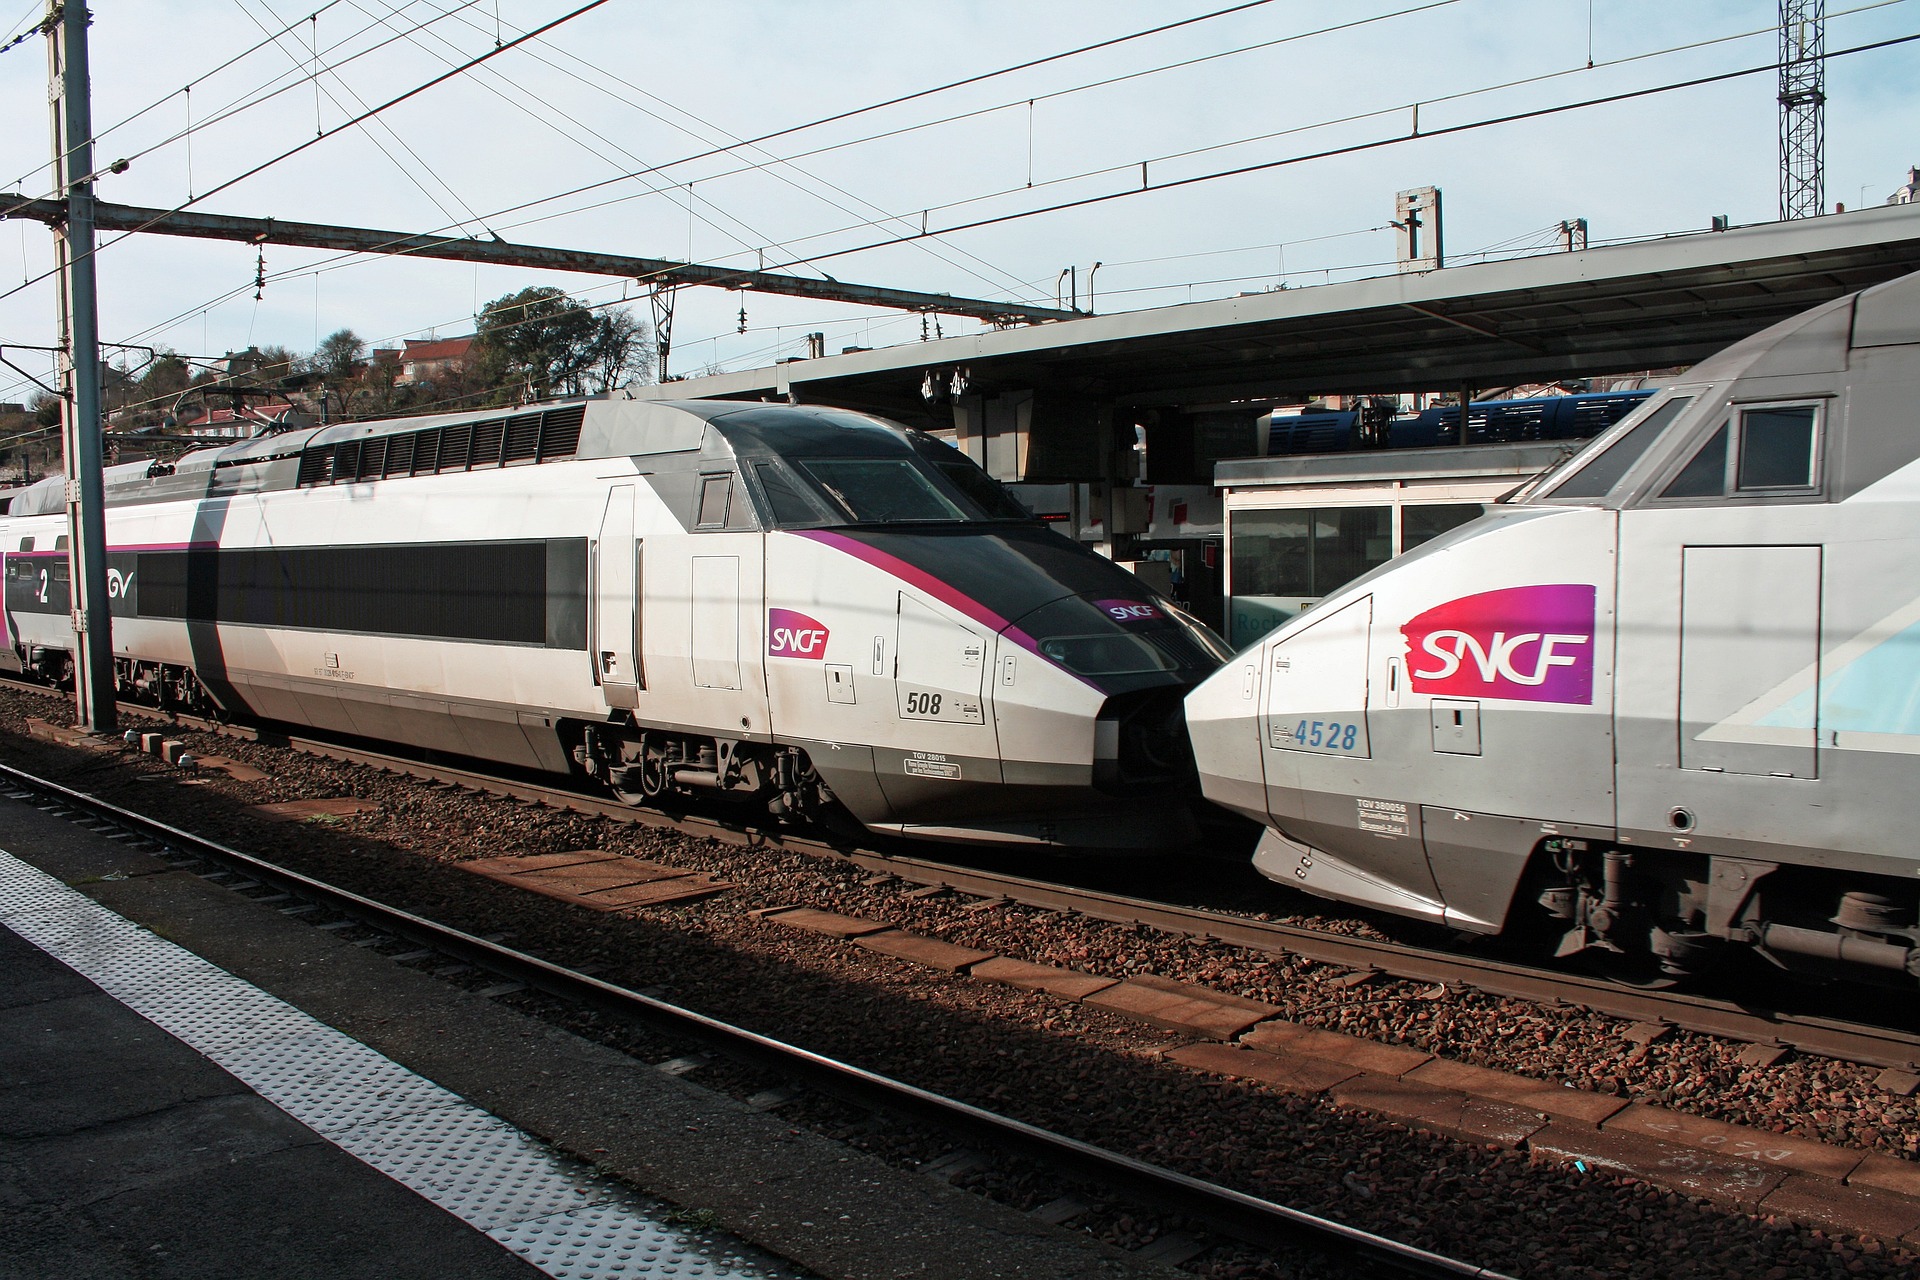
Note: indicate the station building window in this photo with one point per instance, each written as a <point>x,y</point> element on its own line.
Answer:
<point>1283,560</point>
<point>1423,522</point>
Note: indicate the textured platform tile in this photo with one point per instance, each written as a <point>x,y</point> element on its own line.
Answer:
<point>1275,1036</point>
<point>1727,1179</point>
<point>1521,1091</point>
<point>1458,1115</point>
<point>555,1213</point>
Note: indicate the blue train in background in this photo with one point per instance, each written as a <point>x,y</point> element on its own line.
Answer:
<point>1375,424</point>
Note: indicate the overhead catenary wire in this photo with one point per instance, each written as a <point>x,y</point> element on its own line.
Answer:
<point>1479,124</point>
<point>1034,62</point>
<point>1352,118</point>
<point>296,150</point>
<point>25,27</point>
<point>589,74</point>
<point>367,129</point>
<point>1171,184</point>
<point>908,97</point>
<point>896,132</point>
<point>923,93</point>
<point>571,130</point>
<point>234,107</point>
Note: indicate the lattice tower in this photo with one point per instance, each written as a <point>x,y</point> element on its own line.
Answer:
<point>1803,99</point>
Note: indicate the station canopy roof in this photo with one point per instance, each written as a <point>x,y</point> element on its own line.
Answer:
<point>1550,318</point>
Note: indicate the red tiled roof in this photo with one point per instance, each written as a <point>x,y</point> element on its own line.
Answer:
<point>438,348</point>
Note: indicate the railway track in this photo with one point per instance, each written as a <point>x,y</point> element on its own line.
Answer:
<point>1745,1022</point>
<point>1235,1214</point>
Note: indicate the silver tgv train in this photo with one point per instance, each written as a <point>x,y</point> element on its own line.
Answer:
<point>1663,703</point>
<point>785,605</point>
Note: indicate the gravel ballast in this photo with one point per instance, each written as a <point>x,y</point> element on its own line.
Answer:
<point>1066,1066</point>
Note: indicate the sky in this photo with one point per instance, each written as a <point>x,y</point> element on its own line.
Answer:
<point>656,106</point>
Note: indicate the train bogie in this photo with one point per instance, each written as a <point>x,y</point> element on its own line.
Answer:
<point>1664,705</point>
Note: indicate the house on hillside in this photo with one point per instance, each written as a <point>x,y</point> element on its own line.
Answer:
<point>432,359</point>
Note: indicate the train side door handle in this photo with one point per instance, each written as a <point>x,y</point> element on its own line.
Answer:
<point>606,662</point>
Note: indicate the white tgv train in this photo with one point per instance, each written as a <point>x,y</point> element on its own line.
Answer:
<point>1664,701</point>
<point>772,603</point>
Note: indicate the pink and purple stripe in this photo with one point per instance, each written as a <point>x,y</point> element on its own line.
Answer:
<point>944,592</point>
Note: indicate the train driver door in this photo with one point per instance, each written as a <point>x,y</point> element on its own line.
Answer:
<point>726,584</point>
<point>1726,551</point>
<point>616,602</point>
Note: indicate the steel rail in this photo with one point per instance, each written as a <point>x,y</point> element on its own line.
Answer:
<point>1825,1037</point>
<point>1852,1042</point>
<point>1239,1215</point>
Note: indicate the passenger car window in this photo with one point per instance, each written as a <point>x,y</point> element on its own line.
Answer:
<point>1777,447</point>
<point>1705,475</point>
<point>714,493</point>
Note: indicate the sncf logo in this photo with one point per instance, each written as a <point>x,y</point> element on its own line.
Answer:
<point>1125,611</point>
<point>1528,644</point>
<point>794,635</point>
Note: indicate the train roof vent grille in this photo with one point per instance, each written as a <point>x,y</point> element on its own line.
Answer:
<point>400,451</point>
<point>373,458</point>
<point>487,438</point>
<point>560,431</point>
<point>455,444</point>
<point>316,467</point>
<point>550,435</point>
<point>522,443</point>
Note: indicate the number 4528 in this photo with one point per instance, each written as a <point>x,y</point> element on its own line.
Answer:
<point>1334,735</point>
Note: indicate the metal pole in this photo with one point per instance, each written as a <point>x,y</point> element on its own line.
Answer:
<point>80,336</point>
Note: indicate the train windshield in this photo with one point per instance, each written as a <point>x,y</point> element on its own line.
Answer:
<point>1122,637</point>
<point>1588,476</point>
<point>880,490</point>
<point>817,467</point>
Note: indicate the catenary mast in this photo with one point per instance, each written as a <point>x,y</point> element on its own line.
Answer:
<point>66,27</point>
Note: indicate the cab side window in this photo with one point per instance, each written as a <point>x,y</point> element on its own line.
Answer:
<point>715,493</point>
<point>1762,451</point>
<point>1778,448</point>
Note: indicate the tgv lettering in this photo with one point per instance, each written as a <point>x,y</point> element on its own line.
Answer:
<point>1497,660</point>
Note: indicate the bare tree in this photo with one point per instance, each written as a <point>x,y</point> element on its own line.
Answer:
<point>621,350</point>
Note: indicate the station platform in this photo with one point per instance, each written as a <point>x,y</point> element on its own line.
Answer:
<point>196,1084</point>
<point>163,1118</point>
